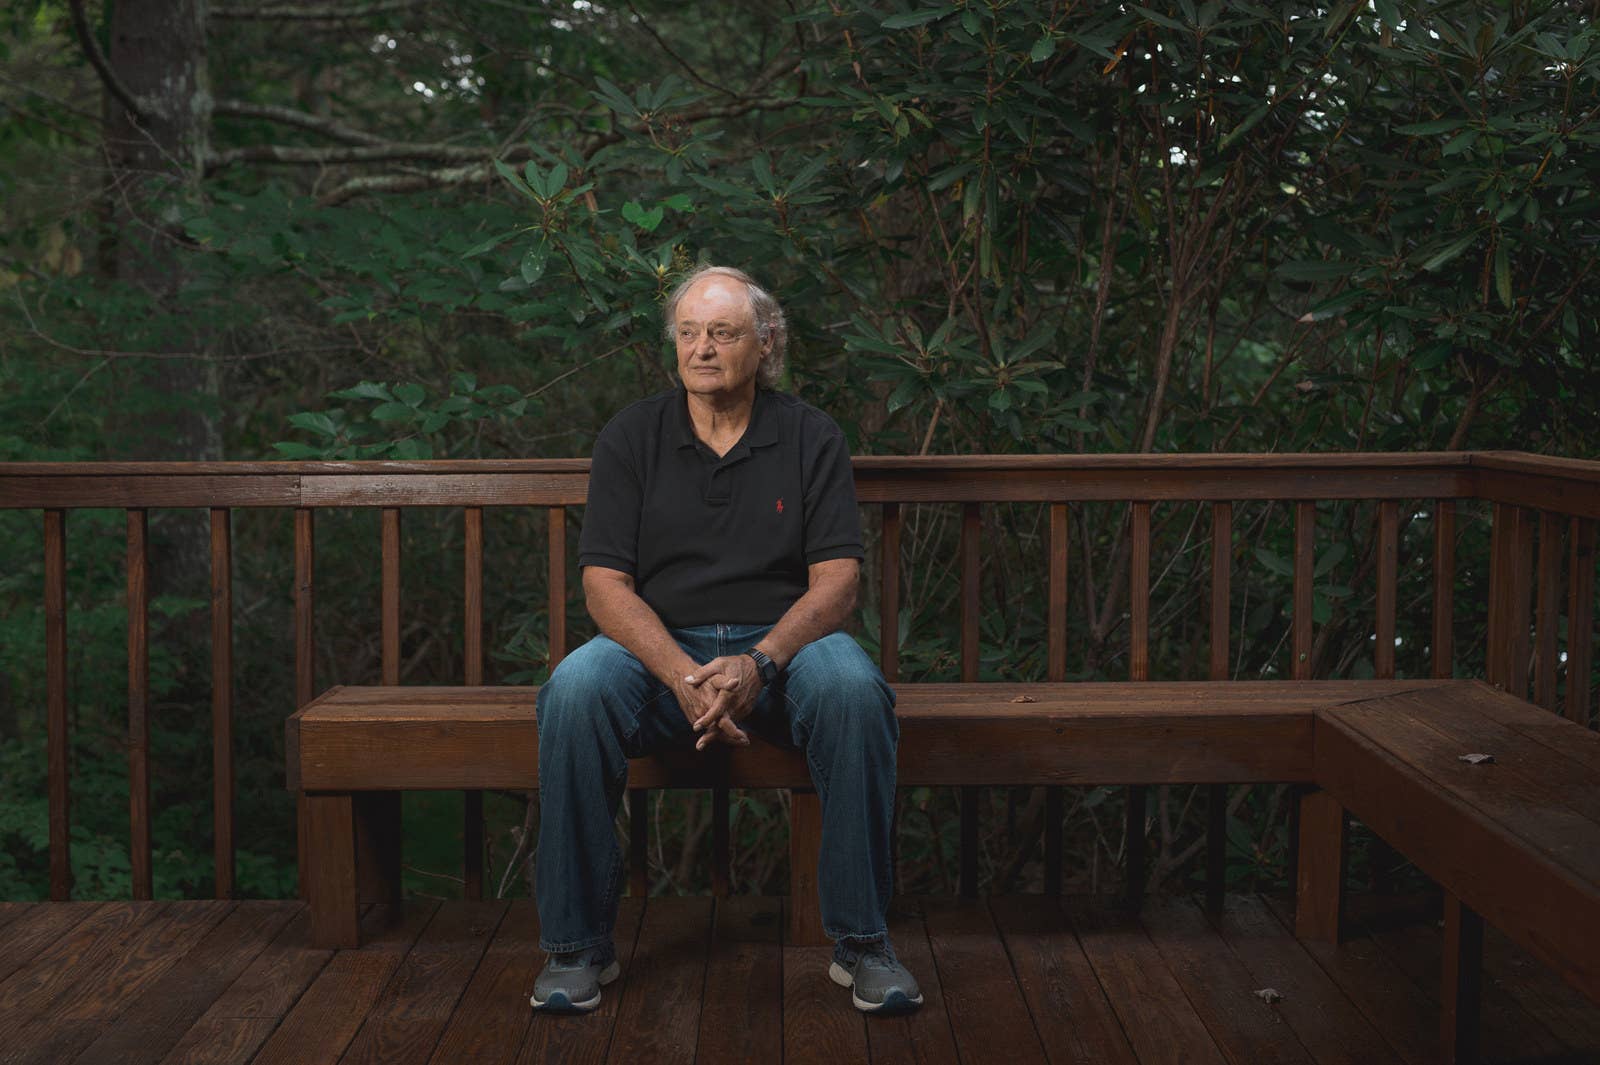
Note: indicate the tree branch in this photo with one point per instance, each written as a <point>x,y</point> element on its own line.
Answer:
<point>291,13</point>
<point>478,168</point>
<point>415,182</point>
<point>381,152</point>
<point>290,117</point>
<point>102,67</point>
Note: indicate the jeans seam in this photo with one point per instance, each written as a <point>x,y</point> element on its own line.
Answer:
<point>612,874</point>
<point>819,777</point>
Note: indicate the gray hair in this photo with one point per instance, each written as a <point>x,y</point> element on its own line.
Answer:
<point>764,309</point>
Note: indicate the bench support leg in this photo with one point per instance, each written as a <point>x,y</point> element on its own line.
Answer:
<point>1461,984</point>
<point>1319,880</point>
<point>805,844</point>
<point>1216,847</point>
<point>1134,848</point>
<point>639,842</point>
<point>377,821</point>
<point>329,874</point>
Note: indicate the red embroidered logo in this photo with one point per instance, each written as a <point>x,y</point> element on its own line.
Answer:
<point>780,504</point>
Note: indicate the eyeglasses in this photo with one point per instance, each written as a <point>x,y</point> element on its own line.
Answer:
<point>722,334</point>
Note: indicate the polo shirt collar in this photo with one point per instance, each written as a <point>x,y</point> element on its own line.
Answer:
<point>761,432</point>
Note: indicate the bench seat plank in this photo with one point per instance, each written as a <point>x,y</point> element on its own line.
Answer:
<point>383,738</point>
<point>1499,836</point>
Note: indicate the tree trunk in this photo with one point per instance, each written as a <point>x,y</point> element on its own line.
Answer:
<point>158,53</point>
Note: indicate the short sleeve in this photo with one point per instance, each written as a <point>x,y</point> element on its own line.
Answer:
<point>833,525</point>
<point>610,535</point>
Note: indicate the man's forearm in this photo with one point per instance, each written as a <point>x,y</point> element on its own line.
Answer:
<point>824,608</point>
<point>626,618</point>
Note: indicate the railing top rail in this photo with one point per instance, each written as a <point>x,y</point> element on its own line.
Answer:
<point>1567,485</point>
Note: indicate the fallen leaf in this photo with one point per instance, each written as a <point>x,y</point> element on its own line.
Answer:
<point>1475,759</point>
<point>1024,699</point>
<point>1268,995</point>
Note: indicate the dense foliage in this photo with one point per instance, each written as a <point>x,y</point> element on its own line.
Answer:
<point>443,231</point>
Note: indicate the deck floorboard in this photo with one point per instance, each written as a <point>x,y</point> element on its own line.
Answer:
<point>712,982</point>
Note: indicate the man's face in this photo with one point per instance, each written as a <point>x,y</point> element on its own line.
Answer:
<point>719,349</point>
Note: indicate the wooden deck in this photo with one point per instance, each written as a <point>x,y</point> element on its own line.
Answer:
<point>1010,980</point>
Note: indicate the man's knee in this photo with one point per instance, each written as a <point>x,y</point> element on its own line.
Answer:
<point>841,688</point>
<point>584,685</point>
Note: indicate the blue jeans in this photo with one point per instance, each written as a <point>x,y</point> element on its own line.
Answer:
<point>601,707</point>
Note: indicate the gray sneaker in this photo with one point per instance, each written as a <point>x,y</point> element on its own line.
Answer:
<point>878,982</point>
<point>571,982</point>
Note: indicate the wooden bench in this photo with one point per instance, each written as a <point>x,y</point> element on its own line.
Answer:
<point>353,749</point>
<point>1514,841</point>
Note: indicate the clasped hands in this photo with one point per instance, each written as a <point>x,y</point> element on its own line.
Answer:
<point>717,696</point>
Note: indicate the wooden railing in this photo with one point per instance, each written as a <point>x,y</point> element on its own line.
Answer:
<point>1562,494</point>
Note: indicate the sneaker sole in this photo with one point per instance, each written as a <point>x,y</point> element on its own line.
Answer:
<point>893,1002</point>
<point>559,1003</point>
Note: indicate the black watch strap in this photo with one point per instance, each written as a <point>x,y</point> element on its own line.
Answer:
<point>764,665</point>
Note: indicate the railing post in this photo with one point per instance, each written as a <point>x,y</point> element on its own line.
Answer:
<point>1580,617</point>
<point>1510,587</point>
<point>1320,826</point>
<point>971,532</point>
<point>55,656</point>
<point>1134,846</point>
<point>139,702</point>
<point>1217,794</point>
<point>1056,667</point>
<point>222,698</point>
<point>305,667</point>
<point>472,668</point>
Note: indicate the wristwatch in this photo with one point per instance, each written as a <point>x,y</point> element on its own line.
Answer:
<point>764,665</point>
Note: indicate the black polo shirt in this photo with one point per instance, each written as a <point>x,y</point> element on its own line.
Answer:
<point>728,539</point>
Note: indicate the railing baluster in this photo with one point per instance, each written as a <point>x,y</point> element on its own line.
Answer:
<point>1580,617</point>
<point>1547,609</point>
<point>1217,794</point>
<point>55,656</point>
<point>889,595</point>
<point>472,668</point>
<point>1139,595</point>
<point>305,663</point>
<point>1138,670</point>
<point>1521,593</point>
<point>391,595</point>
<point>1305,532</point>
<point>472,627</point>
<point>1444,588</point>
<point>971,530</point>
<point>222,698</point>
<point>558,585</point>
<point>1221,587</point>
<point>1056,670</point>
<point>139,702</point>
<point>1388,571</point>
<point>305,564</point>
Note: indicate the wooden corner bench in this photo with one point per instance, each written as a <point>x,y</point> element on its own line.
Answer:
<point>1514,841</point>
<point>353,749</point>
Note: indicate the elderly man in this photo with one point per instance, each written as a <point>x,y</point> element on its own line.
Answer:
<point>721,552</point>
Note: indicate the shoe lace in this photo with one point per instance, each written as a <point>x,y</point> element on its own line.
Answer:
<point>573,959</point>
<point>879,955</point>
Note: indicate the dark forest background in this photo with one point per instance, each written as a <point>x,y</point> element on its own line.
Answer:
<point>394,229</point>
